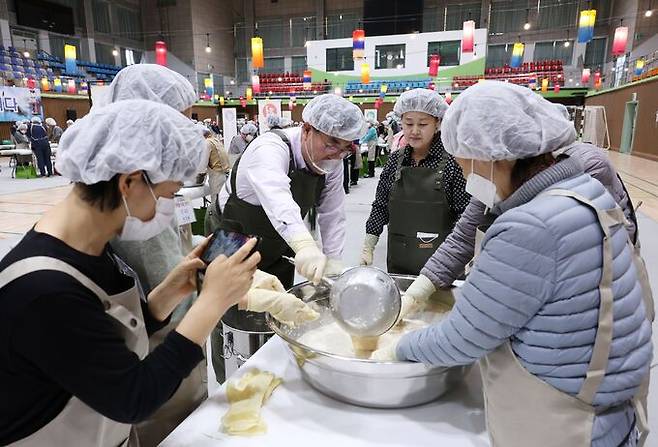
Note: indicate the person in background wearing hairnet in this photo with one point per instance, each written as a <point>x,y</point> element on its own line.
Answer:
<point>240,142</point>
<point>559,365</point>
<point>38,136</point>
<point>449,261</point>
<point>273,121</point>
<point>420,193</point>
<point>54,131</point>
<point>281,175</point>
<point>69,123</point>
<point>370,139</point>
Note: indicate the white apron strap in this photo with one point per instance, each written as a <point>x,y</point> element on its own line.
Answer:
<point>603,340</point>
<point>37,263</point>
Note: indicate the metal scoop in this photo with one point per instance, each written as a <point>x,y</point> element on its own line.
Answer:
<point>365,301</point>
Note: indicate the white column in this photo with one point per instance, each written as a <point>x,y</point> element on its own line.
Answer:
<point>528,52</point>
<point>287,64</point>
<point>92,49</point>
<point>44,41</point>
<point>5,32</point>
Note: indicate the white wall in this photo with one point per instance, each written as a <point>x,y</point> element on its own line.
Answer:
<point>415,57</point>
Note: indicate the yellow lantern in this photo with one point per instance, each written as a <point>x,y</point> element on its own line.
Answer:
<point>222,101</point>
<point>249,94</point>
<point>257,58</point>
<point>365,73</point>
<point>544,85</point>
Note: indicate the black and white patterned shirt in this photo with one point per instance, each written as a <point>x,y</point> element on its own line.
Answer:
<point>453,183</point>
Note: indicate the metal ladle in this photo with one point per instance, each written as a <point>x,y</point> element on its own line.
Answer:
<point>365,301</point>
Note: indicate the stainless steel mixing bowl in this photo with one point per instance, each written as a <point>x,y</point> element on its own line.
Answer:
<point>367,383</point>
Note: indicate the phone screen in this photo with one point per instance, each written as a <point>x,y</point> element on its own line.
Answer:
<point>223,243</point>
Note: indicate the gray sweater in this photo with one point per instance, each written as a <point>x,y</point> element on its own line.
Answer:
<point>448,261</point>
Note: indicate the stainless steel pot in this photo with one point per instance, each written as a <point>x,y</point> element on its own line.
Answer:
<point>244,333</point>
<point>367,383</point>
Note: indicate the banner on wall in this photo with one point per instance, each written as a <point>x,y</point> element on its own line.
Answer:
<point>370,114</point>
<point>267,107</point>
<point>287,114</point>
<point>229,125</point>
<point>19,104</point>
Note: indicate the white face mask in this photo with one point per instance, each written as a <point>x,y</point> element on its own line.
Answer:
<point>248,138</point>
<point>482,189</point>
<point>135,229</point>
<point>322,167</point>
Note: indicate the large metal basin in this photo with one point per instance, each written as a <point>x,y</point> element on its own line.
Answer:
<point>362,382</point>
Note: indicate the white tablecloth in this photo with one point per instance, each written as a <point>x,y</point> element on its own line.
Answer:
<point>299,416</point>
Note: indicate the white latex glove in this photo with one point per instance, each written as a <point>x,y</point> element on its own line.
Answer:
<point>416,296</point>
<point>266,281</point>
<point>285,307</point>
<point>369,244</point>
<point>334,267</point>
<point>309,259</point>
<point>385,354</point>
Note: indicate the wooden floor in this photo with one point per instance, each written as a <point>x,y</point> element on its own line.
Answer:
<point>19,211</point>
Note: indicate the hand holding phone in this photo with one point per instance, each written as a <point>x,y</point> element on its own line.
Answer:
<point>223,242</point>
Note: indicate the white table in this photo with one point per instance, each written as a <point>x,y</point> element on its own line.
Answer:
<point>299,416</point>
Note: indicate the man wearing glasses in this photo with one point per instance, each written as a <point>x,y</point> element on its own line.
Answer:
<point>283,174</point>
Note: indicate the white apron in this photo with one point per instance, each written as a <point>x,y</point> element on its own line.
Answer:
<point>78,424</point>
<point>522,410</point>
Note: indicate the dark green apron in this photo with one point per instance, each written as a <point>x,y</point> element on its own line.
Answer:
<point>243,217</point>
<point>417,204</point>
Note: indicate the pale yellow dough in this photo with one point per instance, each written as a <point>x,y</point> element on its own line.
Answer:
<point>246,397</point>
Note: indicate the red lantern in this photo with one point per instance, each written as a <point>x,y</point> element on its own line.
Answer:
<point>468,36</point>
<point>243,102</point>
<point>434,65</point>
<point>71,86</point>
<point>597,80</point>
<point>556,88</point>
<point>358,44</point>
<point>584,78</point>
<point>31,83</point>
<point>161,53</point>
<point>378,103</point>
<point>619,42</point>
<point>255,83</point>
<point>431,86</point>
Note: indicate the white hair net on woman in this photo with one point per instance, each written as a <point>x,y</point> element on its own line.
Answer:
<point>150,81</point>
<point>335,116</point>
<point>36,120</point>
<point>51,121</point>
<point>248,129</point>
<point>273,120</point>
<point>421,100</point>
<point>501,121</point>
<point>130,136</point>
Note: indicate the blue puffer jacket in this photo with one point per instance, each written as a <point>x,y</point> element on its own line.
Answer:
<point>536,283</point>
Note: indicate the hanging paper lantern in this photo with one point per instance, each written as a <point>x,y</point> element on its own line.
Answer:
<point>584,78</point>
<point>468,36</point>
<point>255,83</point>
<point>434,65</point>
<point>586,25</point>
<point>250,95</point>
<point>83,88</point>
<point>45,84</point>
<point>210,89</point>
<point>69,59</point>
<point>597,80</point>
<point>556,87</point>
<point>619,42</point>
<point>222,101</point>
<point>31,83</point>
<point>517,55</point>
<point>243,102</point>
<point>449,97</point>
<point>70,88</point>
<point>351,98</point>
<point>365,73</point>
<point>161,53</point>
<point>532,83</point>
<point>257,58</point>
<point>639,66</point>
<point>431,86</point>
<point>58,85</point>
<point>378,104</point>
<point>307,79</point>
<point>358,44</point>
<point>544,85</point>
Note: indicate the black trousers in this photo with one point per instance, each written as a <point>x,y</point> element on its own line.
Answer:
<point>346,175</point>
<point>354,172</point>
<point>43,159</point>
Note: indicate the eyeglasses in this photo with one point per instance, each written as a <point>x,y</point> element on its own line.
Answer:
<point>334,148</point>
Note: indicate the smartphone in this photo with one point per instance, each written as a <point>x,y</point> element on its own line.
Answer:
<point>225,243</point>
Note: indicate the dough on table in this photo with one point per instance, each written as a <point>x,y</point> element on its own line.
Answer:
<point>246,397</point>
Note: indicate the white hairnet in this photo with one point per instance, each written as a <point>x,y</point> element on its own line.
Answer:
<point>22,126</point>
<point>335,116</point>
<point>207,120</point>
<point>501,121</point>
<point>273,120</point>
<point>36,119</point>
<point>421,100</point>
<point>153,82</point>
<point>562,109</point>
<point>51,121</point>
<point>248,129</point>
<point>285,122</point>
<point>130,136</point>
<point>69,122</point>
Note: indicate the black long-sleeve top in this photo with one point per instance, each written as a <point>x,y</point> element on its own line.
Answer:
<point>56,341</point>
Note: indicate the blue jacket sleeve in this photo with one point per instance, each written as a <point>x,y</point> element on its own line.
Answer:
<point>510,281</point>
